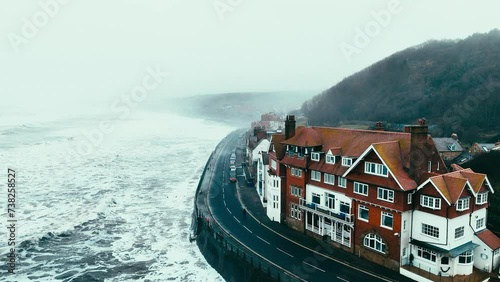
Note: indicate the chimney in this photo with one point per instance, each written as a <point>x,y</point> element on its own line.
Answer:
<point>454,136</point>
<point>378,126</point>
<point>289,126</point>
<point>419,157</point>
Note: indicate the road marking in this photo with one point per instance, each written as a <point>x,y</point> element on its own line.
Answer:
<point>284,252</point>
<point>229,211</point>
<point>247,229</point>
<point>236,219</point>
<point>264,240</point>
<point>314,266</point>
<point>340,278</point>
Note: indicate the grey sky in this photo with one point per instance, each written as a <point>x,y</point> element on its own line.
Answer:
<point>100,49</point>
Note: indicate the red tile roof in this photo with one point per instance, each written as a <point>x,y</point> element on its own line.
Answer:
<point>305,137</point>
<point>294,161</point>
<point>489,238</point>
<point>391,154</point>
<point>276,140</point>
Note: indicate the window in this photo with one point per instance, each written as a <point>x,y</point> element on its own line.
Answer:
<point>404,252</point>
<point>374,242</point>
<point>296,172</point>
<point>482,198</point>
<point>346,161</point>
<point>360,188</point>
<point>275,201</point>
<point>466,258</point>
<point>330,201</point>
<point>410,198</point>
<point>386,220</point>
<point>315,175</point>
<point>342,182</point>
<point>377,169</point>
<point>430,202</point>
<point>330,159</point>
<point>430,230</point>
<point>345,207</point>
<point>445,260</point>
<point>273,164</point>
<point>316,198</point>
<point>429,166</point>
<point>315,156</point>
<point>480,223</point>
<point>363,213</point>
<point>329,179</point>
<point>463,204</point>
<point>426,254</point>
<point>295,211</point>
<point>296,191</point>
<point>404,224</point>
<point>385,195</point>
<point>459,232</point>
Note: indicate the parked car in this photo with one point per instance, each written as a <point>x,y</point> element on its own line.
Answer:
<point>232,176</point>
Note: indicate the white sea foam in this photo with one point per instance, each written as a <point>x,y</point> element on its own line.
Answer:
<point>127,204</point>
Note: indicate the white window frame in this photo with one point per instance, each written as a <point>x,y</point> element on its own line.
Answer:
<point>410,197</point>
<point>296,191</point>
<point>296,172</point>
<point>295,211</point>
<point>365,208</point>
<point>329,197</point>
<point>330,159</point>
<point>432,255</point>
<point>463,204</point>
<point>432,202</point>
<point>430,230</point>
<point>378,242</point>
<point>383,215</point>
<point>316,175</point>
<point>376,169</point>
<point>315,195</point>
<point>342,182</point>
<point>459,232</point>
<point>467,256</point>
<point>480,223</point>
<point>387,194</point>
<point>359,188</point>
<point>329,179</point>
<point>315,157</point>
<point>346,161</point>
<point>274,164</point>
<point>482,198</point>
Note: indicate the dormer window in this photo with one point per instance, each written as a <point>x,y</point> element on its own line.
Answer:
<point>463,204</point>
<point>482,198</point>
<point>376,169</point>
<point>315,156</point>
<point>330,159</point>
<point>346,161</point>
<point>452,147</point>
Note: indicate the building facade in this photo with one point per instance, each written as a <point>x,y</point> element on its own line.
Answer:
<point>374,193</point>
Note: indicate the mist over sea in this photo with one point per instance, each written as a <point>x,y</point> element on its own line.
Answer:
<point>104,206</point>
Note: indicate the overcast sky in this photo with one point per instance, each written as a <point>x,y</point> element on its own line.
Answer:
<point>88,49</point>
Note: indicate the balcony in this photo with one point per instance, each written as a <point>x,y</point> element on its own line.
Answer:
<point>334,215</point>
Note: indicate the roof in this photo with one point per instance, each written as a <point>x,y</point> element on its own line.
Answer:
<point>304,137</point>
<point>391,155</point>
<point>276,140</point>
<point>451,185</point>
<point>445,144</point>
<point>486,147</point>
<point>489,238</point>
<point>455,252</point>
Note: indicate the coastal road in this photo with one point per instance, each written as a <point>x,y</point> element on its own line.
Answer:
<point>295,258</point>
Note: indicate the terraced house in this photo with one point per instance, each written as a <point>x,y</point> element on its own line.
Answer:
<point>385,196</point>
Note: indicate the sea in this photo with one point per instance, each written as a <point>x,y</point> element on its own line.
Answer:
<point>102,195</point>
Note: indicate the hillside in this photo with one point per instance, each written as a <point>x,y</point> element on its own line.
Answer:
<point>455,85</point>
